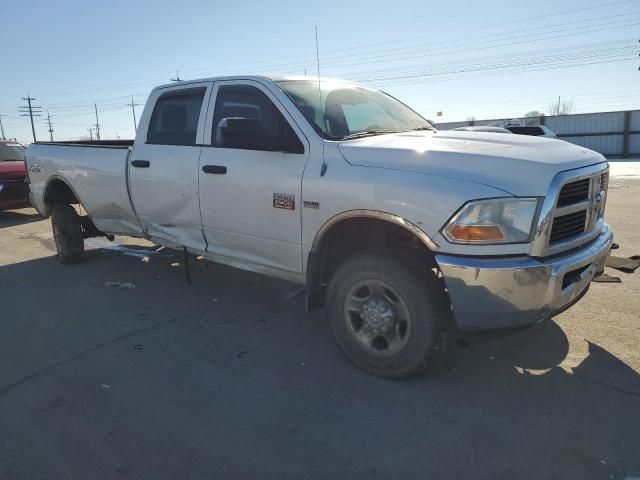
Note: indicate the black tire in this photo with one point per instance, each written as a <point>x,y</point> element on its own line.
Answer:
<point>67,233</point>
<point>417,292</point>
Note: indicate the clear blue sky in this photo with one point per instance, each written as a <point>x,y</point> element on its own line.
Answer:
<point>486,59</point>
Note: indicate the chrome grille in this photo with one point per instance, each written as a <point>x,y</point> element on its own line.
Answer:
<point>572,211</point>
<point>567,226</point>
<point>604,181</point>
<point>574,192</point>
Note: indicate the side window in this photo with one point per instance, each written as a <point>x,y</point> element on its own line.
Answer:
<point>175,117</point>
<point>245,118</point>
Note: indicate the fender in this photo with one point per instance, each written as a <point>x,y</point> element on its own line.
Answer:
<point>314,268</point>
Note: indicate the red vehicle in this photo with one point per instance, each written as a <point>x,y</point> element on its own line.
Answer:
<point>14,190</point>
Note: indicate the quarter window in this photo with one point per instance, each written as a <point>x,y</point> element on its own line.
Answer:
<point>175,117</point>
<point>245,118</point>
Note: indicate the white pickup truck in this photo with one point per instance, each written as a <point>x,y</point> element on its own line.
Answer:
<point>402,232</point>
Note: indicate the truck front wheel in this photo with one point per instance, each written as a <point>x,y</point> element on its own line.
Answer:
<point>387,313</point>
<point>67,233</point>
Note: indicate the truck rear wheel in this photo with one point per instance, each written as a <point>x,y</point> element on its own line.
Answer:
<point>386,313</point>
<point>67,233</point>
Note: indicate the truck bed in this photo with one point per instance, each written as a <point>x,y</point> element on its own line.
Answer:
<point>97,173</point>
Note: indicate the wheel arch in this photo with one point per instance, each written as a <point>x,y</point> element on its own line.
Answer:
<point>59,190</point>
<point>378,226</point>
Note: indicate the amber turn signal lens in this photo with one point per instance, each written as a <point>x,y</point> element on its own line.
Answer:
<point>470,233</point>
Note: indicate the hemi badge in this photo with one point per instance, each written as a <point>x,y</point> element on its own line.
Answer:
<point>310,204</point>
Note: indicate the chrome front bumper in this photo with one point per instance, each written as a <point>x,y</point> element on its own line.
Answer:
<point>496,293</point>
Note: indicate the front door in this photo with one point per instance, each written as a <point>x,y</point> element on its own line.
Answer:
<point>250,179</point>
<point>164,166</point>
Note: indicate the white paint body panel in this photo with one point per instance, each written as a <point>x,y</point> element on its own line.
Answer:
<point>518,164</point>
<point>238,216</point>
<point>422,178</point>
<point>166,194</point>
<point>96,174</point>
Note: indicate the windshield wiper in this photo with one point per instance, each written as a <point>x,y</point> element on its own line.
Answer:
<point>367,133</point>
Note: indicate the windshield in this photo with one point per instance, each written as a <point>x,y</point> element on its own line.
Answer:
<point>351,110</point>
<point>11,152</point>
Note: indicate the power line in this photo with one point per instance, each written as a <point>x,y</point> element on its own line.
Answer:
<point>30,111</point>
<point>335,60</point>
<point>305,61</point>
<point>92,112</point>
<point>531,58</point>
<point>575,10</point>
<point>522,19</point>
<point>514,37</point>
<point>413,56</point>
<point>534,68</point>
<point>308,59</point>
<point>517,37</point>
<point>88,103</point>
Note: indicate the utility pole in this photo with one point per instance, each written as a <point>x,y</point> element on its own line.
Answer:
<point>97,122</point>
<point>90,130</point>
<point>177,79</point>
<point>558,112</point>
<point>133,110</point>
<point>30,111</point>
<point>2,128</point>
<point>50,126</point>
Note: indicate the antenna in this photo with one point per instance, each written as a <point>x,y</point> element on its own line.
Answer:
<point>177,79</point>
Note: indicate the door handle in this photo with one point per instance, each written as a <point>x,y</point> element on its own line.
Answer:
<point>140,163</point>
<point>215,169</point>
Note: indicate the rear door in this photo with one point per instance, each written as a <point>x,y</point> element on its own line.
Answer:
<point>250,179</point>
<point>164,165</point>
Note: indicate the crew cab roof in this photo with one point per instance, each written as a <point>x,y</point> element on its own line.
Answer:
<point>273,78</point>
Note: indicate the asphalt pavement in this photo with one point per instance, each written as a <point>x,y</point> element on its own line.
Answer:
<point>117,369</point>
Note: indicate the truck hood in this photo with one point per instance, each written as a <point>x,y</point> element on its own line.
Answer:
<point>12,169</point>
<point>518,164</point>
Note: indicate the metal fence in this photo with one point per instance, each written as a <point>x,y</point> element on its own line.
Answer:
<point>610,133</point>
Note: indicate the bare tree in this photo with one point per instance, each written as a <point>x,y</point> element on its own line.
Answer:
<point>561,107</point>
<point>534,113</point>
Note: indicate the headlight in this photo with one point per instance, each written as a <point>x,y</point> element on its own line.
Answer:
<point>499,220</point>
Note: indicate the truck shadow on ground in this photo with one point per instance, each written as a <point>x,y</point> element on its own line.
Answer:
<point>231,376</point>
<point>11,218</point>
